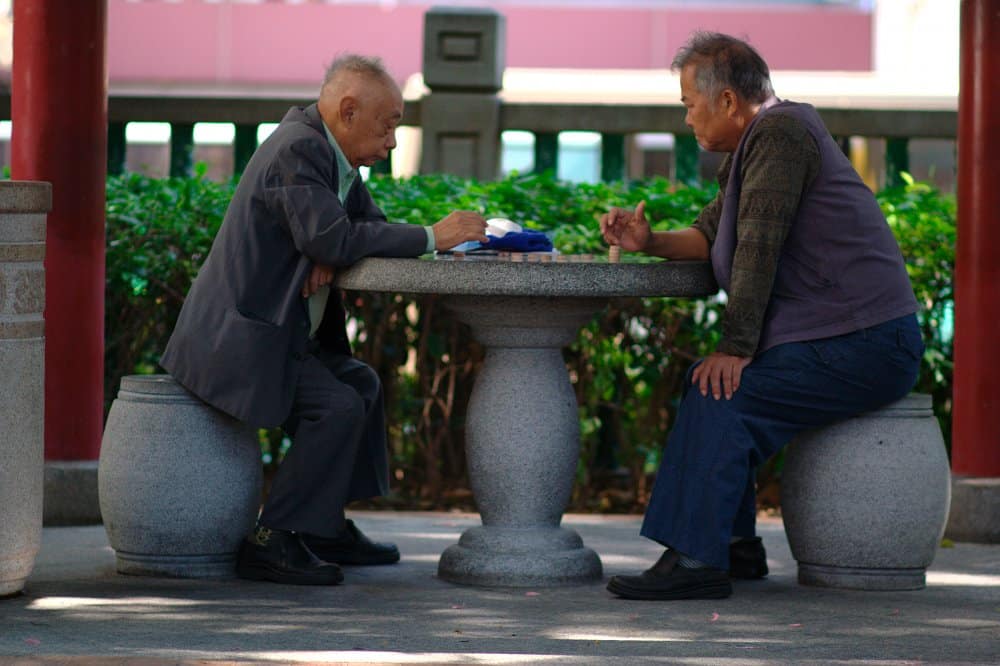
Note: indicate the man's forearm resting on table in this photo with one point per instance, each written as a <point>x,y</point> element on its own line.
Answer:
<point>683,244</point>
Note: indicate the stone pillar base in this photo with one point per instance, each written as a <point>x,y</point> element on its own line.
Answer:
<point>71,494</point>
<point>975,510</point>
<point>519,557</point>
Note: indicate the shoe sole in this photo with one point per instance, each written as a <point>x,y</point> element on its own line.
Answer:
<point>278,576</point>
<point>714,590</point>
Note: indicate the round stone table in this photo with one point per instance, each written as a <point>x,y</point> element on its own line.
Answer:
<point>522,428</point>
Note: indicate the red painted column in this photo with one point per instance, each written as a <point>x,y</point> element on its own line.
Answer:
<point>976,406</point>
<point>59,123</point>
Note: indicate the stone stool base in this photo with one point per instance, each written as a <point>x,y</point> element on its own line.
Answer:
<point>864,501</point>
<point>179,482</point>
<point>176,566</point>
<point>519,557</point>
<point>858,578</point>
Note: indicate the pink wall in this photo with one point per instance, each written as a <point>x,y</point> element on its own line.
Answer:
<point>193,41</point>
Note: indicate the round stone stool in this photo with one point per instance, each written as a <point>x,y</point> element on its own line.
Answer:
<point>865,500</point>
<point>179,482</point>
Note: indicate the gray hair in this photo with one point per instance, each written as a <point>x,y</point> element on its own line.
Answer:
<point>370,67</point>
<point>721,61</point>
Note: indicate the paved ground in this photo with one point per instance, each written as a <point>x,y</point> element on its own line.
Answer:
<point>78,611</point>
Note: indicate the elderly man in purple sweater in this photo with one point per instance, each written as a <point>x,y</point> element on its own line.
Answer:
<point>819,323</point>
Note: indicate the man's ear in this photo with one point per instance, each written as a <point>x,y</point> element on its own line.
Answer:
<point>728,102</point>
<point>348,110</point>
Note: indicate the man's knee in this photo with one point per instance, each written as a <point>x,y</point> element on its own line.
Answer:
<point>347,405</point>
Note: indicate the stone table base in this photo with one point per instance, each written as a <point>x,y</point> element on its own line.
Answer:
<point>523,442</point>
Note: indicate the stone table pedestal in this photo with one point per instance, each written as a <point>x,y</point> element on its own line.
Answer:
<point>522,432</point>
<point>523,441</point>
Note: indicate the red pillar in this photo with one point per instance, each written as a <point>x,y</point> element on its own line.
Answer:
<point>59,122</point>
<point>976,406</point>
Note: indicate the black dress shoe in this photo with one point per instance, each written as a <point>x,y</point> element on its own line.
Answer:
<point>747,558</point>
<point>666,580</point>
<point>280,556</point>
<point>351,547</point>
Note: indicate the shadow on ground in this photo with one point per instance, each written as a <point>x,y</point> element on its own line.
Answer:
<point>78,610</point>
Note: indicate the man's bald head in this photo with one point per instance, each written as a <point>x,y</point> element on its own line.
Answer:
<point>349,72</point>
<point>361,105</point>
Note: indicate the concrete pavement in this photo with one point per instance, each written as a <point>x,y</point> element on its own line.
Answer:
<point>78,611</point>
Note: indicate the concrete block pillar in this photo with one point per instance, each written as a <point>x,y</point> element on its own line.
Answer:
<point>464,60</point>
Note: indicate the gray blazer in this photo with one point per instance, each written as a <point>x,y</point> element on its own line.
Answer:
<point>242,332</point>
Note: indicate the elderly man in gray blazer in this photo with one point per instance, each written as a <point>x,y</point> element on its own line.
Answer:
<point>262,336</point>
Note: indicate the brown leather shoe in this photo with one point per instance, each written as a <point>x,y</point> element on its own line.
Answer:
<point>351,547</point>
<point>666,580</point>
<point>280,557</point>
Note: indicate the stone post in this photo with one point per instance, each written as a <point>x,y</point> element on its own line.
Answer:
<point>23,209</point>
<point>464,59</point>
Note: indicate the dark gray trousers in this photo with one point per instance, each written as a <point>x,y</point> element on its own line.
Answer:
<point>338,451</point>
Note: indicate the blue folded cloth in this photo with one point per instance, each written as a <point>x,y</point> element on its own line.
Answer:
<point>520,241</point>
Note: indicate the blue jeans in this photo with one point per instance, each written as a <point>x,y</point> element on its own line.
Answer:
<point>705,491</point>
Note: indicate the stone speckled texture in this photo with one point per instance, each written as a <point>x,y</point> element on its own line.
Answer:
<point>522,427</point>
<point>71,496</point>
<point>522,444</point>
<point>21,446</point>
<point>975,510</point>
<point>22,372</point>
<point>179,481</point>
<point>487,276</point>
<point>865,500</point>
<point>25,196</point>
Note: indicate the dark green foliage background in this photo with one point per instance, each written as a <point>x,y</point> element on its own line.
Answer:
<point>627,364</point>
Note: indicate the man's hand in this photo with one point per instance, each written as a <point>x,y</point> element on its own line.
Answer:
<point>320,275</point>
<point>458,227</point>
<point>629,230</point>
<point>720,372</point>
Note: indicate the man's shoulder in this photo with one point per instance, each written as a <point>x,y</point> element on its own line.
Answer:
<point>783,130</point>
<point>298,125</point>
<point>297,142</point>
<point>783,119</point>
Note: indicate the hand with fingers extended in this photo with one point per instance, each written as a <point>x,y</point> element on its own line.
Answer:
<point>626,228</point>
<point>457,227</point>
<point>319,276</point>
<point>720,373</point>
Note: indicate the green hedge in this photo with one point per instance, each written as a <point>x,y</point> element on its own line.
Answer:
<point>627,364</point>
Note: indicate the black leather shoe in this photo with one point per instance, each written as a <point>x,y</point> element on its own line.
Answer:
<point>280,556</point>
<point>351,547</point>
<point>747,558</point>
<point>666,580</point>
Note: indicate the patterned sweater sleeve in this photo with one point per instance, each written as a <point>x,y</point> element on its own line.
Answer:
<point>780,161</point>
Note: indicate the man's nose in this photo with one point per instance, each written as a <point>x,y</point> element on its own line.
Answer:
<point>391,141</point>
